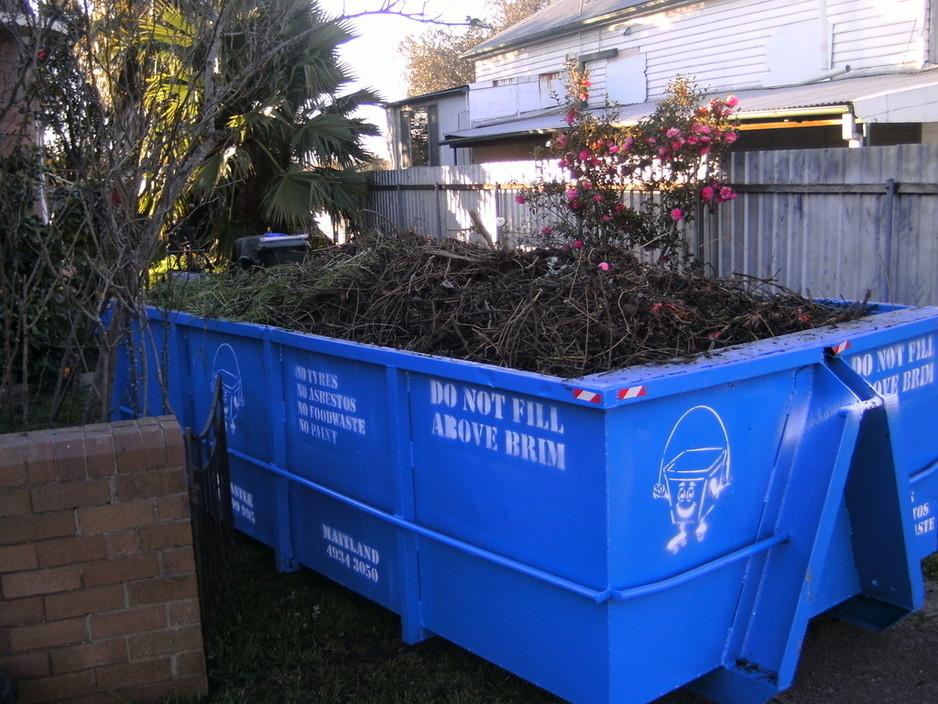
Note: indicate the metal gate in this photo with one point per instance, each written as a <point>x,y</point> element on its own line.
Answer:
<point>210,508</point>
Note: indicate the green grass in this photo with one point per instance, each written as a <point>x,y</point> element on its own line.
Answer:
<point>930,567</point>
<point>300,638</point>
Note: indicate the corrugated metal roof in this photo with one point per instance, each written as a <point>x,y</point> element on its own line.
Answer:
<point>560,17</point>
<point>868,93</point>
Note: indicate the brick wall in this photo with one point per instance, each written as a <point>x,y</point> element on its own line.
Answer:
<point>98,593</point>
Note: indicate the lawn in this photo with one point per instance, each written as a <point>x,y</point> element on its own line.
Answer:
<point>299,638</point>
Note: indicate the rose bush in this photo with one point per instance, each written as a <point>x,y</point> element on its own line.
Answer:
<point>634,185</point>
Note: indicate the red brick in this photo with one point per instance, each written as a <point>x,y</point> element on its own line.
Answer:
<point>185,613</point>
<point>69,453</point>
<point>122,569</point>
<point>179,561</point>
<point>21,666</point>
<point>157,591</point>
<point>154,446</point>
<point>89,655</point>
<point>71,551</point>
<point>16,531</point>
<point>123,623</point>
<point>19,612</point>
<point>12,460</point>
<point>39,458</point>
<point>155,643</point>
<point>70,495</point>
<point>99,451</point>
<point>175,442</point>
<point>48,635</point>
<point>128,452</point>
<point>14,502</point>
<point>165,536</point>
<point>85,601</point>
<point>191,663</point>
<point>157,482</point>
<point>35,582</point>
<point>104,519</point>
<point>134,673</point>
<point>173,508</point>
<point>58,688</point>
<point>123,543</point>
<point>18,557</point>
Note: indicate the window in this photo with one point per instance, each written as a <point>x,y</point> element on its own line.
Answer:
<point>421,135</point>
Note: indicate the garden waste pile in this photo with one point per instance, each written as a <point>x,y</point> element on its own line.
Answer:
<point>566,312</point>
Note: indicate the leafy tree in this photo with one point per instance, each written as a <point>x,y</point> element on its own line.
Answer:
<point>159,116</point>
<point>435,57</point>
<point>290,146</point>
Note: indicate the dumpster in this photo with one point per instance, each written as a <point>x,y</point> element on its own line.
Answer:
<point>270,250</point>
<point>609,538</point>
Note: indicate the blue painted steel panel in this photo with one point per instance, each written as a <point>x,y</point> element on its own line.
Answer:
<point>581,533</point>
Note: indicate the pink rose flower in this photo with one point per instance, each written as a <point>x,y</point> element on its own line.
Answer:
<point>673,132</point>
<point>578,244</point>
<point>546,230</point>
<point>732,101</point>
<point>706,193</point>
<point>520,199</point>
<point>571,194</point>
<point>570,117</point>
<point>677,214</point>
<point>730,137</point>
<point>604,266</point>
<point>597,198</point>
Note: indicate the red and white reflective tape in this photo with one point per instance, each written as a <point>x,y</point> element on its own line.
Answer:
<point>842,347</point>
<point>631,392</point>
<point>584,395</point>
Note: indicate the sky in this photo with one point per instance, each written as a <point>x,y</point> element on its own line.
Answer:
<point>374,55</point>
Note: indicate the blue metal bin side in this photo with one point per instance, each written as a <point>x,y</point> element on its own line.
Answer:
<point>610,538</point>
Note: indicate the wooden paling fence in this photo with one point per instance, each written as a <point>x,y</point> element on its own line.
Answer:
<point>829,223</point>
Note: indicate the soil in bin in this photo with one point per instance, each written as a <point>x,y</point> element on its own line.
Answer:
<point>563,311</point>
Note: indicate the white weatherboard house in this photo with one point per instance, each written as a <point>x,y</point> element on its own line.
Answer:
<point>808,73</point>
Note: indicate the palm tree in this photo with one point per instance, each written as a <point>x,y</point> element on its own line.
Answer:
<point>291,146</point>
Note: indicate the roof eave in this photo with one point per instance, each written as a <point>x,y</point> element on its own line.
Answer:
<point>528,39</point>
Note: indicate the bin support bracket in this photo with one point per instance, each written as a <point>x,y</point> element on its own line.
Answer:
<point>864,487</point>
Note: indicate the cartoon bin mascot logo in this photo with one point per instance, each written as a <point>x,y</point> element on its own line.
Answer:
<point>694,471</point>
<point>225,365</point>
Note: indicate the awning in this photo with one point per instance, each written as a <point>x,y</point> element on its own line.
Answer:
<point>905,97</point>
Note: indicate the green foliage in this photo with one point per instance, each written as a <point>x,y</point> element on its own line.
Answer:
<point>289,146</point>
<point>669,160</point>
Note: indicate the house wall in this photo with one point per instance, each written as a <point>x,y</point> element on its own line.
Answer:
<point>452,115</point>
<point>98,591</point>
<point>734,44</point>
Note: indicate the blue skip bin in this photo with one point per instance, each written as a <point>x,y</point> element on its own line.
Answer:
<point>609,538</point>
